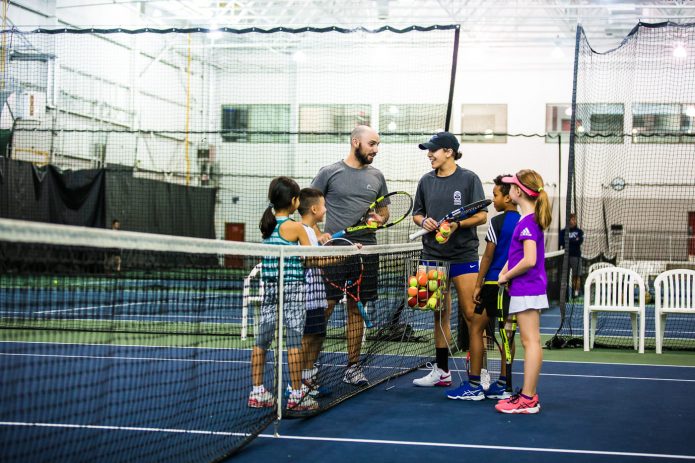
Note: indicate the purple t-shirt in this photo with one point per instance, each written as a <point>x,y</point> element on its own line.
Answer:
<point>534,281</point>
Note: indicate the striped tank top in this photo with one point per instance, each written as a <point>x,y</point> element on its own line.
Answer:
<point>294,270</point>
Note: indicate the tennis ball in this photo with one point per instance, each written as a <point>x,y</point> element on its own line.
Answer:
<point>422,278</point>
<point>445,229</point>
<point>422,304</point>
<point>55,282</point>
<point>432,274</point>
<point>440,238</point>
<point>412,291</point>
<point>371,223</point>
<point>422,294</point>
<point>412,301</point>
<point>432,303</point>
<point>412,281</point>
<point>432,285</point>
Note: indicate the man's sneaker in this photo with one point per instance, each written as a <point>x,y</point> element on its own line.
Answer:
<point>355,376</point>
<point>317,390</point>
<point>497,391</point>
<point>263,399</point>
<point>519,404</point>
<point>301,400</point>
<point>466,391</point>
<point>435,377</point>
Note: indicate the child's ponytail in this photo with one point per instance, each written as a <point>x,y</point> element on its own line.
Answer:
<point>542,212</point>
<point>281,193</point>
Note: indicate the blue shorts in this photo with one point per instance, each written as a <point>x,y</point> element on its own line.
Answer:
<point>462,268</point>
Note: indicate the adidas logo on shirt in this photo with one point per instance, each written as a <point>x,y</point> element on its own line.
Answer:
<point>526,232</point>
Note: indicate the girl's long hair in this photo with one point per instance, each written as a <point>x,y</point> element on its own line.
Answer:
<point>281,192</point>
<point>542,211</point>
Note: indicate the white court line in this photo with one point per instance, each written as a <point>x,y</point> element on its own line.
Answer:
<point>357,441</point>
<point>375,367</point>
<point>479,446</point>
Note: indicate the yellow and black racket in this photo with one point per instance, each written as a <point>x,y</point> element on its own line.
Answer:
<point>507,328</point>
<point>384,212</point>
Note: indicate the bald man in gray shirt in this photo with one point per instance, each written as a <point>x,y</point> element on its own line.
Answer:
<point>349,187</point>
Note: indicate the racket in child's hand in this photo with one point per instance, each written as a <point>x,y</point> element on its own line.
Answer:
<point>457,214</point>
<point>385,212</point>
<point>506,331</point>
<point>348,279</point>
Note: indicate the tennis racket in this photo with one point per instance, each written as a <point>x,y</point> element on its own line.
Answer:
<point>459,214</point>
<point>392,208</point>
<point>507,329</point>
<point>346,276</point>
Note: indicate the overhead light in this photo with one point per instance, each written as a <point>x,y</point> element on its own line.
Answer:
<point>392,126</point>
<point>568,111</point>
<point>393,109</point>
<point>557,52</point>
<point>679,51</point>
<point>690,111</point>
<point>215,33</point>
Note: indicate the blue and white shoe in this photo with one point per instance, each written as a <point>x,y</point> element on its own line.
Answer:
<point>497,391</point>
<point>466,391</point>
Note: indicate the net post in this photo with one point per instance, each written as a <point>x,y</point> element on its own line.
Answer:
<point>280,306</point>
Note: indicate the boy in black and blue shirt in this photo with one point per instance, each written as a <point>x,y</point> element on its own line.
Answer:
<point>498,238</point>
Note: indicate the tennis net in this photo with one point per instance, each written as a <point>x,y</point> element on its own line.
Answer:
<point>138,347</point>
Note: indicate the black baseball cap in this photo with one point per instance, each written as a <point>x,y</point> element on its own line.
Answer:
<point>440,140</point>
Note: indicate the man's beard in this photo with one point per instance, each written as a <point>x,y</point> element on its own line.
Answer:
<point>363,158</point>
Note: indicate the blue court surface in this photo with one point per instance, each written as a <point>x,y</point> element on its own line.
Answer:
<point>590,412</point>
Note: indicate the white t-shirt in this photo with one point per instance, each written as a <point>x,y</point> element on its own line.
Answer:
<point>315,289</point>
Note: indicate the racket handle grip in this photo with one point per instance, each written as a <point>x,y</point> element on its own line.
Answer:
<point>363,312</point>
<point>418,234</point>
<point>339,234</point>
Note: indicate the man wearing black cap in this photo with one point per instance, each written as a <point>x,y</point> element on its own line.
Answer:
<point>448,187</point>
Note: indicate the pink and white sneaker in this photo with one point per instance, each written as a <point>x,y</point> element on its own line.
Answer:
<point>519,404</point>
<point>435,377</point>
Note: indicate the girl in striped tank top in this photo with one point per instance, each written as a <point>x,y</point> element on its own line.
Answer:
<point>278,229</point>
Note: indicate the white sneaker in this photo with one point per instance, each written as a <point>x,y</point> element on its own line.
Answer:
<point>263,399</point>
<point>355,376</point>
<point>485,379</point>
<point>301,400</point>
<point>436,377</point>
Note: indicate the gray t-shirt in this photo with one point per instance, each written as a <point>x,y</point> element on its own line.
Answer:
<point>436,197</point>
<point>348,193</point>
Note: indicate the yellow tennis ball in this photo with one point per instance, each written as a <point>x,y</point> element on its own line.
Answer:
<point>440,238</point>
<point>432,285</point>
<point>432,303</point>
<point>445,229</point>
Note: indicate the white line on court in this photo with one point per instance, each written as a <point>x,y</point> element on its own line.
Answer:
<point>478,446</point>
<point>356,441</point>
<point>160,359</point>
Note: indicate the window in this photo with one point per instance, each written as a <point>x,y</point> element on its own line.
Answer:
<point>256,123</point>
<point>663,123</point>
<point>410,123</point>
<point>600,122</point>
<point>479,123</point>
<point>331,123</point>
<point>558,118</point>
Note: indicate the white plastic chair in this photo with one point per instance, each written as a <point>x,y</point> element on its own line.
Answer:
<point>599,266</point>
<point>674,291</point>
<point>247,299</point>
<point>614,289</point>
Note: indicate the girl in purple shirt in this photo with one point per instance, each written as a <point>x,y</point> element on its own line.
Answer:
<point>525,273</point>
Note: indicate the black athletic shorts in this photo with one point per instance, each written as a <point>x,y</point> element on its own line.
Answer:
<point>347,270</point>
<point>488,301</point>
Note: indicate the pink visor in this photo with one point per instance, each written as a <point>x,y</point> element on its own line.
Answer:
<point>515,180</point>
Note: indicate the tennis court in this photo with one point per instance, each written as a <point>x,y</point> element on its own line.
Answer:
<point>157,158</point>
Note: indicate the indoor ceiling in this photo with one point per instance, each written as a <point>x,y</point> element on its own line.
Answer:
<point>495,22</point>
